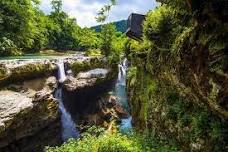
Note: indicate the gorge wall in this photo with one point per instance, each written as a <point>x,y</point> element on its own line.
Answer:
<point>177,84</point>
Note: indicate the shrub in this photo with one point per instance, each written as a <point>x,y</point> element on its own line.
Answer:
<point>7,47</point>
<point>96,140</point>
<point>93,52</point>
<point>159,23</point>
<point>131,76</point>
<point>118,143</point>
<point>103,143</point>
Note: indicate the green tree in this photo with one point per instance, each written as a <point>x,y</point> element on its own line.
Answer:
<point>103,13</point>
<point>118,46</point>
<point>19,22</point>
<point>107,36</point>
<point>7,47</point>
<point>40,31</point>
<point>62,29</point>
<point>57,5</point>
<point>88,39</point>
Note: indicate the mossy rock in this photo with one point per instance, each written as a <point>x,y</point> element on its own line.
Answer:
<point>93,63</point>
<point>2,72</point>
<point>27,72</point>
<point>159,106</point>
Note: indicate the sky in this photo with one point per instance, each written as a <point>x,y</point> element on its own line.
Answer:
<point>85,11</point>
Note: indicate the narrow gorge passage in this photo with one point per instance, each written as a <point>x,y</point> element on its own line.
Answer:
<point>117,89</point>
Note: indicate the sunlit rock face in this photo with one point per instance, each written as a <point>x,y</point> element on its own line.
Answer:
<point>26,115</point>
<point>86,79</point>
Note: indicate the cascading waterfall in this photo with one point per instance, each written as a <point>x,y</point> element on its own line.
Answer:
<point>68,127</point>
<point>120,92</point>
<point>61,72</point>
<point>122,72</point>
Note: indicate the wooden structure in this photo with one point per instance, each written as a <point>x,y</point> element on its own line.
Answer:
<point>134,26</point>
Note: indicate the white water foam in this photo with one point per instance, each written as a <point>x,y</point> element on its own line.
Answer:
<point>120,91</point>
<point>68,126</point>
<point>61,72</point>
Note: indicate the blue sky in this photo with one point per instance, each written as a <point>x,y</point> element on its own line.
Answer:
<point>85,10</point>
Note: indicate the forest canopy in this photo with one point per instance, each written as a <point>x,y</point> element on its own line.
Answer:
<point>24,28</point>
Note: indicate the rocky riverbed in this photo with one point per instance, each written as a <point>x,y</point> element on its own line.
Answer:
<point>30,114</point>
<point>12,71</point>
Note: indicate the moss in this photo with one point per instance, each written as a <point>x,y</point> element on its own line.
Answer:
<point>131,76</point>
<point>93,63</point>
<point>94,53</point>
<point>30,71</point>
<point>158,105</point>
<point>2,73</point>
<point>27,72</point>
<point>78,66</point>
<point>142,86</point>
<point>185,65</point>
<point>183,38</point>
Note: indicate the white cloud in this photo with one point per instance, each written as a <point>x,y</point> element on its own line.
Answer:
<point>85,10</point>
<point>84,13</point>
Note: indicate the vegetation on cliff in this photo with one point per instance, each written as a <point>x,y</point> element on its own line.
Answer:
<point>178,79</point>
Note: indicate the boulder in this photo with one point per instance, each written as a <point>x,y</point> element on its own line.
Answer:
<point>86,79</point>
<point>113,103</point>
<point>24,115</point>
<point>23,71</point>
<point>95,73</point>
<point>87,63</point>
<point>4,73</point>
<point>102,112</point>
<point>72,83</point>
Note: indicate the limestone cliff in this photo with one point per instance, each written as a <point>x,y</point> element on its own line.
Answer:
<point>178,81</point>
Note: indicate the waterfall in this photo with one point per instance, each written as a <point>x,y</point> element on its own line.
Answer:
<point>126,124</point>
<point>122,72</point>
<point>125,63</point>
<point>68,126</point>
<point>120,92</point>
<point>61,72</point>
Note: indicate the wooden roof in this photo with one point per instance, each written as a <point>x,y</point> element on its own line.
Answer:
<point>135,29</point>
